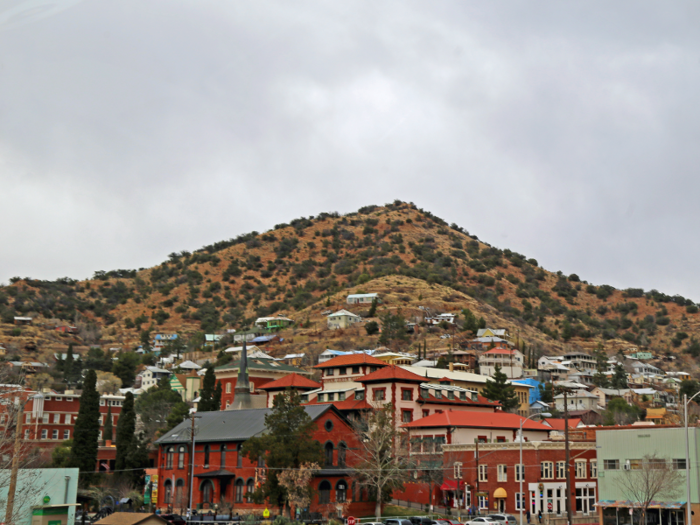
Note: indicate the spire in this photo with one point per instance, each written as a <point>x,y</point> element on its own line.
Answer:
<point>241,396</point>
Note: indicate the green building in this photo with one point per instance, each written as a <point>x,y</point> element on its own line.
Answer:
<point>43,496</point>
<point>621,454</point>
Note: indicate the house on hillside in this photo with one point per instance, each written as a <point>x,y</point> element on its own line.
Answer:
<point>151,376</point>
<point>577,401</point>
<point>509,361</point>
<point>160,340</point>
<point>342,319</point>
<point>272,324</point>
<point>20,321</point>
<point>363,298</point>
<point>492,332</point>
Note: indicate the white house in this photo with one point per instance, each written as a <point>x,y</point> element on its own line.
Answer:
<point>361,298</point>
<point>342,319</point>
<point>510,362</point>
<point>579,400</point>
<point>151,376</point>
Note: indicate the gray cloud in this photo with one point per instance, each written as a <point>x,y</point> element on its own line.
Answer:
<point>565,131</point>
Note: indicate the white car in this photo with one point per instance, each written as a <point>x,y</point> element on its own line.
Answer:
<point>481,521</point>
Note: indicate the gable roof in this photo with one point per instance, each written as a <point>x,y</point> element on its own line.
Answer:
<point>340,313</point>
<point>391,372</point>
<point>290,381</point>
<point>558,423</point>
<point>469,419</point>
<point>258,363</point>
<point>229,425</point>
<point>499,350</point>
<point>351,359</point>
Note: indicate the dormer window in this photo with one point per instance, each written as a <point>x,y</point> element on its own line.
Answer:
<point>424,393</point>
<point>341,396</point>
<point>463,396</point>
<point>450,394</point>
<point>360,395</point>
<point>438,394</point>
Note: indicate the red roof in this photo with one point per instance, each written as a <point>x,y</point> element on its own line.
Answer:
<point>481,401</point>
<point>291,381</point>
<point>499,350</point>
<point>392,372</point>
<point>558,423</point>
<point>348,404</point>
<point>350,360</point>
<point>470,419</point>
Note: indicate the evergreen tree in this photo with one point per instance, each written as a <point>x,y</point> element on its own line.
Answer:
<point>619,378</point>
<point>206,396</point>
<point>125,367</point>
<point>68,365</point>
<point>108,433</point>
<point>287,444</point>
<point>498,389</point>
<point>470,323</point>
<point>86,431</point>
<point>126,430</point>
<point>393,329</point>
<point>546,393</point>
<point>373,309</point>
<point>177,415</point>
<point>216,400</point>
<point>601,358</point>
<point>60,362</point>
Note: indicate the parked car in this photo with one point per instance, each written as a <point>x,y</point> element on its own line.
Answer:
<point>505,519</point>
<point>421,520</point>
<point>481,520</point>
<point>452,522</point>
<point>175,519</point>
<point>396,521</point>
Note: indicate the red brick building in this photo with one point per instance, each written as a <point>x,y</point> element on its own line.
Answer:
<point>223,477</point>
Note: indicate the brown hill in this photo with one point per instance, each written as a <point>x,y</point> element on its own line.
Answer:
<point>412,257</point>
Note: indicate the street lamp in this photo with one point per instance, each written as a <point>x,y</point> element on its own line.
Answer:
<point>520,465</point>
<point>687,457</point>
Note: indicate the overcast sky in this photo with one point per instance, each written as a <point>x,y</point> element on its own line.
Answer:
<point>567,131</point>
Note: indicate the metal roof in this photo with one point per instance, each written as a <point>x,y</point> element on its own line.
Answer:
<point>228,425</point>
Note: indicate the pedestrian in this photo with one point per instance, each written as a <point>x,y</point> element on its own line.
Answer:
<point>528,516</point>
<point>539,516</point>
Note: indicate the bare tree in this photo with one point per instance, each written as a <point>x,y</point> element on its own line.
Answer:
<point>651,478</point>
<point>298,485</point>
<point>378,464</point>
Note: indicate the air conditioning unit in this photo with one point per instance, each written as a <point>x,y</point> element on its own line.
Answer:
<point>626,466</point>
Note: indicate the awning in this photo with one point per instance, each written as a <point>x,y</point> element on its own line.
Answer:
<point>500,493</point>
<point>626,504</point>
<point>216,474</point>
<point>449,484</point>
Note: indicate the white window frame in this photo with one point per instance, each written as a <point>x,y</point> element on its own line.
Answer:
<point>502,473</point>
<point>68,419</point>
<point>518,470</point>
<point>581,467</point>
<point>45,418</point>
<point>44,434</point>
<point>561,469</point>
<point>547,467</point>
<point>483,502</point>
<point>483,474</point>
<point>57,418</point>
<point>54,434</point>
<point>519,503</point>
<point>594,468</point>
<point>66,434</point>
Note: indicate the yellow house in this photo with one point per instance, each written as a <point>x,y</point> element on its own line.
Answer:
<point>188,386</point>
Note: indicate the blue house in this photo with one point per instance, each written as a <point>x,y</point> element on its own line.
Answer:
<point>534,391</point>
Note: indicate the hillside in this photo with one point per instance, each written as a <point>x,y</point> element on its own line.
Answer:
<point>409,255</point>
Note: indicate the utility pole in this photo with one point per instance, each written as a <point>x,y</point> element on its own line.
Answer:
<point>15,460</point>
<point>568,459</point>
<point>477,477</point>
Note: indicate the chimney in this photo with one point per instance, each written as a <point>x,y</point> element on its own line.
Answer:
<point>452,367</point>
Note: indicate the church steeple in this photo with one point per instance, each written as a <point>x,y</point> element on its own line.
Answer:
<point>241,398</point>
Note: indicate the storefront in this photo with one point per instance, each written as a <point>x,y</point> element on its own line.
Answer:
<point>627,513</point>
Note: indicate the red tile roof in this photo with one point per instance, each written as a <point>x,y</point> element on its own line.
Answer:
<point>348,404</point>
<point>350,360</point>
<point>392,372</point>
<point>499,350</point>
<point>558,423</point>
<point>481,401</point>
<point>470,419</point>
<point>291,381</point>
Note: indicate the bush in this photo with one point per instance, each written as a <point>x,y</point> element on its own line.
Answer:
<point>691,309</point>
<point>372,328</point>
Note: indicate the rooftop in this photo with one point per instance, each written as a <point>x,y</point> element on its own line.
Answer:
<point>350,360</point>
<point>468,419</point>
<point>389,373</point>
<point>291,381</point>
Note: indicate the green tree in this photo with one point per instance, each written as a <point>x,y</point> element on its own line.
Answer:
<point>498,389</point>
<point>601,359</point>
<point>373,309</point>
<point>126,433</point>
<point>125,367</point>
<point>689,387</point>
<point>470,323</point>
<point>546,393</point>
<point>175,346</point>
<point>287,444</point>
<point>86,432</point>
<point>619,378</point>
<point>177,415</point>
<point>108,433</point>
<point>206,396</point>
<point>155,405</point>
<point>393,329</point>
<point>60,456</point>
<point>216,399</point>
<point>97,359</point>
<point>71,367</point>
<point>371,328</point>
<point>619,412</point>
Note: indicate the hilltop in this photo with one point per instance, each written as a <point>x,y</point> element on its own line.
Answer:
<point>303,268</point>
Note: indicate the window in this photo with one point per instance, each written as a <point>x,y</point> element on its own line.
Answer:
<point>678,464</point>
<point>458,470</point>
<point>168,486</point>
<point>228,388</point>
<point>57,418</point>
<point>342,449</point>
<point>561,469</point>
<point>181,457</point>
<point>207,451</point>
<point>328,425</point>
<point>329,453</point>
<point>341,489</point>
<point>239,490</point>
<point>438,394</point>
<point>502,473</point>
<point>66,434</point>
<point>54,434</point>
<point>519,501</point>
<point>481,439</point>
<point>331,397</point>
<point>426,413</point>
<point>341,396</point>
<point>239,456</point>
<point>483,473</point>
<point>546,470</point>
<point>222,460</point>
<point>207,490</point>
<point>102,402</point>
<point>594,468</point>
<point>611,464</point>
<point>67,419</point>
<point>45,418</point>
<point>69,399</point>
<point>249,488</point>
<point>26,433</point>
<point>634,464</point>
<point>169,457</point>
<point>483,502</point>
<point>44,434</point>
<point>27,418</point>
<point>355,369</point>
<point>519,473</point>
<point>102,420</point>
<point>406,394</point>
<point>407,416</point>
<point>581,469</point>
<point>379,394</point>
<point>360,395</point>
<point>657,464</point>
<point>324,492</point>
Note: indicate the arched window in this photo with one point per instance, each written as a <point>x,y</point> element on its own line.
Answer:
<point>249,488</point>
<point>342,449</point>
<point>341,490</point>
<point>324,492</point>
<point>181,457</point>
<point>239,458</point>
<point>168,486</point>
<point>169,457</point>
<point>329,454</point>
<point>239,490</point>
<point>207,490</point>
<point>207,450</point>
<point>180,493</point>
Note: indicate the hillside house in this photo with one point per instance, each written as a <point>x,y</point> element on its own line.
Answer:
<point>448,318</point>
<point>212,339</point>
<point>581,400</point>
<point>606,394</point>
<point>580,361</point>
<point>293,382</point>
<point>342,319</point>
<point>151,376</point>
<point>66,329</point>
<point>363,298</point>
<point>492,332</point>
<point>272,324</point>
<point>509,361</point>
<point>187,385</point>
<point>160,340</point>
<point>22,321</point>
